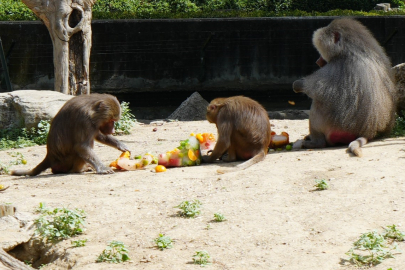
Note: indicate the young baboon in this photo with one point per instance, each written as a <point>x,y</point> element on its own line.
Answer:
<point>243,131</point>
<point>73,130</point>
<point>353,93</point>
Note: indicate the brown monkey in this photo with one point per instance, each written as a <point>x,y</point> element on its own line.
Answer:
<point>353,93</point>
<point>73,130</point>
<point>243,131</point>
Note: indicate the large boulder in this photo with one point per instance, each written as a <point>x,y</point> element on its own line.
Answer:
<point>26,108</point>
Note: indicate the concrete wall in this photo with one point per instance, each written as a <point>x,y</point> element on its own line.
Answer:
<point>252,54</point>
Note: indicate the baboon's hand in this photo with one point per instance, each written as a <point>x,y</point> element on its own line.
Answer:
<point>104,170</point>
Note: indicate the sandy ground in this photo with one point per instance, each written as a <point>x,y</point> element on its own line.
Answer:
<point>275,219</point>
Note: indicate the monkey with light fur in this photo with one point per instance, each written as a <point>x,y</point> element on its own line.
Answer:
<point>353,93</point>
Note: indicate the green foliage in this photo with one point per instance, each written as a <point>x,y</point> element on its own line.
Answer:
<point>21,137</point>
<point>5,167</point>
<point>40,134</point>
<point>15,10</point>
<point>372,248</point>
<point>321,184</point>
<point>201,257</point>
<point>115,252</point>
<point>218,217</point>
<point>79,243</point>
<point>189,209</point>
<point>399,127</point>
<point>127,121</point>
<point>393,233</point>
<point>160,9</point>
<point>59,223</point>
<point>163,242</point>
<point>327,5</point>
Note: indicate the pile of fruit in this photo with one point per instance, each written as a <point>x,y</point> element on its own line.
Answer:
<point>188,153</point>
<point>125,163</point>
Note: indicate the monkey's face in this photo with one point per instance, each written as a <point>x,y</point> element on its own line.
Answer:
<point>327,41</point>
<point>108,127</point>
<point>109,112</point>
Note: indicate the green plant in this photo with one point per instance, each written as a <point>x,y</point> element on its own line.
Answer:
<point>161,9</point>
<point>59,223</point>
<point>5,167</point>
<point>321,184</point>
<point>218,217</point>
<point>40,134</point>
<point>22,137</point>
<point>163,242</point>
<point>115,252</point>
<point>370,249</point>
<point>399,127</point>
<point>393,233</point>
<point>127,121</point>
<point>189,209</point>
<point>79,243</point>
<point>201,257</point>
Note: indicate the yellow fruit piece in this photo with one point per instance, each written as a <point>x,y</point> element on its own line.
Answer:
<point>125,154</point>
<point>160,168</point>
<point>208,137</point>
<point>199,137</point>
<point>191,155</point>
<point>1,186</point>
<point>174,151</point>
<point>192,134</point>
<point>24,161</point>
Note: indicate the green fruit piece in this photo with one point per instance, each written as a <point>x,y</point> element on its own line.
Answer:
<point>288,147</point>
<point>24,161</point>
<point>145,162</point>
<point>138,157</point>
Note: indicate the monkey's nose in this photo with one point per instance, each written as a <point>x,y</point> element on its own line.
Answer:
<point>298,86</point>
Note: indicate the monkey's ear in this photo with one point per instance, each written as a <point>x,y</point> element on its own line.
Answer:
<point>100,105</point>
<point>336,36</point>
<point>213,107</point>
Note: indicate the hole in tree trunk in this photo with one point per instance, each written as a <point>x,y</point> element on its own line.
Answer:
<point>74,18</point>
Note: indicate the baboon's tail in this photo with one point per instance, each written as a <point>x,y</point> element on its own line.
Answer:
<point>259,157</point>
<point>45,164</point>
<point>355,146</point>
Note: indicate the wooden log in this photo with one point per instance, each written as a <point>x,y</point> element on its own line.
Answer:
<point>7,210</point>
<point>9,262</point>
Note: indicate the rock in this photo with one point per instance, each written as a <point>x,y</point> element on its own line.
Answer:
<point>26,108</point>
<point>400,80</point>
<point>383,6</point>
<point>289,114</point>
<point>16,230</point>
<point>192,109</point>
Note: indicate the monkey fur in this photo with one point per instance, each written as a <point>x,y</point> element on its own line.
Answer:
<point>79,122</point>
<point>243,131</point>
<point>353,93</point>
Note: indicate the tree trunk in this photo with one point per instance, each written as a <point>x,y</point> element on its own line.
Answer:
<point>69,25</point>
<point>9,262</point>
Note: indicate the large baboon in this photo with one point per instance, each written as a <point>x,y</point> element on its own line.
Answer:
<point>353,93</point>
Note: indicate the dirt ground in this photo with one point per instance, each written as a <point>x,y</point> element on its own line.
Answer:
<point>275,219</point>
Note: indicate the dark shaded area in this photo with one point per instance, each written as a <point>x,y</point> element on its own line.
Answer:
<point>159,63</point>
